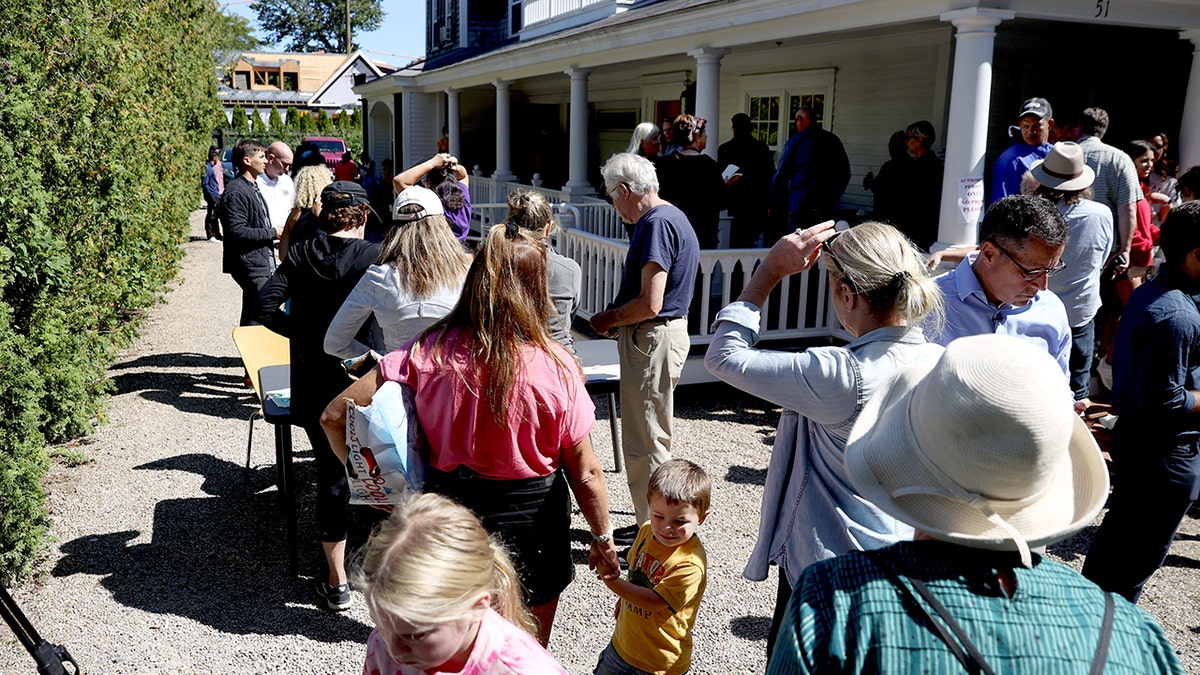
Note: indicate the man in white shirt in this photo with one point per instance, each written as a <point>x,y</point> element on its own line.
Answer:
<point>276,184</point>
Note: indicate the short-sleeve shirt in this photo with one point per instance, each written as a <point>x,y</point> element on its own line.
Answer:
<point>1078,286</point>
<point>661,641</point>
<point>500,649</point>
<point>1041,321</point>
<point>663,236</point>
<point>280,194</point>
<point>1116,181</point>
<point>460,219</point>
<point>1011,165</point>
<point>548,408</point>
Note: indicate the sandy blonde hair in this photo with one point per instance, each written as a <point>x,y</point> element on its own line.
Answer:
<point>530,211</point>
<point>883,266</point>
<point>425,252</point>
<point>429,562</point>
<point>309,182</point>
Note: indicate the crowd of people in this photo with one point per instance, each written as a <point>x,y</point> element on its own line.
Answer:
<point>917,472</point>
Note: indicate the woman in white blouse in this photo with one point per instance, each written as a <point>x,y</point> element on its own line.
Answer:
<point>416,280</point>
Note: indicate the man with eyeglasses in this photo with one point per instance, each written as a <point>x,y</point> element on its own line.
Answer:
<point>649,320</point>
<point>276,184</point>
<point>1003,287</point>
<point>1034,121</point>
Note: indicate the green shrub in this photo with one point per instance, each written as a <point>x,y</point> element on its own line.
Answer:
<point>106,109</point>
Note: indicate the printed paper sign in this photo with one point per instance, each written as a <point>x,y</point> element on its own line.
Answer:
<point>970,198</point>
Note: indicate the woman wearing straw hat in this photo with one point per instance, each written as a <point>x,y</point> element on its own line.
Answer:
<point>881,294</point>
<point>1065,179</point>
<point>981,454</point>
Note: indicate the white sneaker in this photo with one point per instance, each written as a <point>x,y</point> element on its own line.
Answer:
<point>213,240</point>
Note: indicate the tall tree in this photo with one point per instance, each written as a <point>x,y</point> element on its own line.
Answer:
<point>233,35</point>
<point>316,25</point>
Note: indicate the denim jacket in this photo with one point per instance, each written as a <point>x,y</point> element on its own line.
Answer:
<point>810,511</point>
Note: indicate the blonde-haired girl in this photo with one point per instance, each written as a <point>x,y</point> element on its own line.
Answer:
<point>444,597</point>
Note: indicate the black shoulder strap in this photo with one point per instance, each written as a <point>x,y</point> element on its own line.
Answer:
<point>1105,635</point>
<point>962,647</point>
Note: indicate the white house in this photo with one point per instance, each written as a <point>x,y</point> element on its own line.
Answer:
<point>553,87</point>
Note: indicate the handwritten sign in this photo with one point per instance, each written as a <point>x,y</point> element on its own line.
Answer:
<point>970,198</point>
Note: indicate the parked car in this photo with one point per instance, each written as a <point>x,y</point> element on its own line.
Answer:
<point>332,149</point>
<point>227,162</point>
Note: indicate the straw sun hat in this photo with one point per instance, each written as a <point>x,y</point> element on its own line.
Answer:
<point>982,449</point>
<point>1064,168</point>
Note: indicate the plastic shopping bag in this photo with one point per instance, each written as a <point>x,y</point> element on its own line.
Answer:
<point>384,440</point>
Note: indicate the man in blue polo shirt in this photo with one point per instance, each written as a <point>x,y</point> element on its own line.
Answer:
<point>648,316</point>
<point>1002,287</point>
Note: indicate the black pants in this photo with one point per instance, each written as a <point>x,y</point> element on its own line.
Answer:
<point>333,499</point>
<point>531,516</point>
<point>250,287</point>
<point>1153,488</point>
<point>212,225</point>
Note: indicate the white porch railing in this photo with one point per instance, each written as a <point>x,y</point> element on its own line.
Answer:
<point>593,236</point>
<point>537,11</point>
<point>798,308</point>
<point>489,201</point>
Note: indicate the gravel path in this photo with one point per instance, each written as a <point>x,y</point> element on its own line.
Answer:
<point>165,561</point>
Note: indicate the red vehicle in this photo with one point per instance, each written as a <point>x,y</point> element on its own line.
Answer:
<point>331,148</point>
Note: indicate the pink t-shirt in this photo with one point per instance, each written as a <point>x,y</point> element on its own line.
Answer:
<point>500,649</point>
<point>548,410</point>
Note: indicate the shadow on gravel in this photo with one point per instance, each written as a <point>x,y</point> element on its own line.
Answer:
<point>745,475</point>
<point>166,379</point>
<point>719,401</point>
<point>218,560</point>
<point>750,627</point>
<point>1174,560</point>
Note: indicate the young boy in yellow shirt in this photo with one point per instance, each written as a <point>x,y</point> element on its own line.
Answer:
<point>656,606</point>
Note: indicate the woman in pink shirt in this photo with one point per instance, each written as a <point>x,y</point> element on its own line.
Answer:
<point>506,417</point>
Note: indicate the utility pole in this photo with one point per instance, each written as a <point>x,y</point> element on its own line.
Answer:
<point>349,45</point>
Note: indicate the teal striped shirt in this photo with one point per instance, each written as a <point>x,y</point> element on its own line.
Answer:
<point>846,616</point>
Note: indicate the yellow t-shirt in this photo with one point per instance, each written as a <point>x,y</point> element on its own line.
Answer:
<point>661,642</point>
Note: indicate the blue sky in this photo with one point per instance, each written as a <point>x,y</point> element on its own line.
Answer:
<point>400,38</point>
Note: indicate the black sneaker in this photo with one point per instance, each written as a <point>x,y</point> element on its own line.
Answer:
<point>624,536</point>
<point>337,597</point>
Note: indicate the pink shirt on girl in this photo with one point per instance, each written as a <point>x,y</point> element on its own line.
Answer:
<point>500,649</point>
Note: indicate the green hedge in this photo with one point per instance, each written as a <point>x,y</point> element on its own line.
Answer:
<point>106,109</point>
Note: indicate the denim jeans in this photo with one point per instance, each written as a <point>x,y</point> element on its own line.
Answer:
<point>1083,345</point>
<point>611,663</point>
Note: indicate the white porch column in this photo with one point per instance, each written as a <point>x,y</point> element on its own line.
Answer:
<point>966,135</point>
<point>452,121</point>
<point>1189,130</point>
<point>503,134</point>
<point>708,93</point>
<point>577,182</point>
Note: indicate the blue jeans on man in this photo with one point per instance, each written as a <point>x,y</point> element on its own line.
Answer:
<point>1083,347</point>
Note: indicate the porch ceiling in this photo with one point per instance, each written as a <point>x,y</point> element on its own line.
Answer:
<point>674,27</point>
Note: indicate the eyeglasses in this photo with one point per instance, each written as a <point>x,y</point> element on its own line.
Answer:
<point>1030,275</point>
<point>608,194</point>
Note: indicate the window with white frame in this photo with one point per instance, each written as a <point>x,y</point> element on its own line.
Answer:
<point>772,101</point>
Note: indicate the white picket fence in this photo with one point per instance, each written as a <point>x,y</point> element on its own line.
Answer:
<point>592,235</point>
